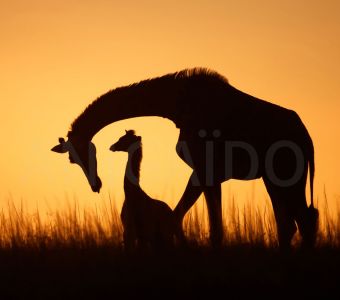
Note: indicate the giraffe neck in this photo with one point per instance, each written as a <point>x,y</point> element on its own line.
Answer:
<point>132,173</point>
<point>156,97</point>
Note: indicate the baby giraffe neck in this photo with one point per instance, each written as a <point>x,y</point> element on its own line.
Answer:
<point>132,171</point>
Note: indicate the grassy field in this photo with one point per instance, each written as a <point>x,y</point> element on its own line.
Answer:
<point>74,253</point>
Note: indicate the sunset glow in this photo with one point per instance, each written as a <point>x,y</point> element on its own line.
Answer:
<point>56,57</point>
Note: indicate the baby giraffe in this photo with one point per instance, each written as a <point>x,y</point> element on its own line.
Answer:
<point>146,222</point>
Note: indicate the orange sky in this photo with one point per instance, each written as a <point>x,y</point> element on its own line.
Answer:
<point>58,56</point>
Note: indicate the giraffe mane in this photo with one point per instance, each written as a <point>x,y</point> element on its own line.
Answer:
<point>105,99</point>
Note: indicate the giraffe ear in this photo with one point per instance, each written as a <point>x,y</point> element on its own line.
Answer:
<point>130,132</point>
<point>61,148</point>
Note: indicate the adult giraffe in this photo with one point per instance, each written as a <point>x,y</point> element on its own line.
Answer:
<point>224,133</point>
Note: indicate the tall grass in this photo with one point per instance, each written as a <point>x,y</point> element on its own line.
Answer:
<point>67,228</point>
<point>101,227</point>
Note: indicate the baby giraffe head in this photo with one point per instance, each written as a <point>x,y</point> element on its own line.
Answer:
<point>127,143</point>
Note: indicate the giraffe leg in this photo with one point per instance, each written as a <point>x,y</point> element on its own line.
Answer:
<point>129,229</point>
<point>189,197</point>
<point>284,217</point>
<point>307,221</point>
<point>213,200</point>
<point>129,240</point>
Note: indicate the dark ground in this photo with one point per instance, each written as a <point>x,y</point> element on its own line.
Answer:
<point>234,273</point>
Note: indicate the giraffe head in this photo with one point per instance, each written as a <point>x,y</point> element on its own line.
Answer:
<point>82,153</point>
<point>127,143</point>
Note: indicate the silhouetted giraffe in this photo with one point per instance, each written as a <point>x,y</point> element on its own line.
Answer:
<point>146,221</point>
<point>224,133</point>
